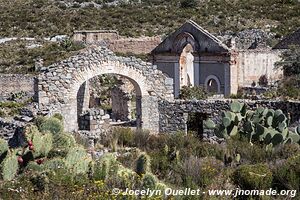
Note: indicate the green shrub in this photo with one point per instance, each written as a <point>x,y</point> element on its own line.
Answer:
<point>253,154</point>
<point>124,178</point>
<point>40,181</point>
<point>253,177</point>
<point>196,92</point>
<point>286,151</point>
<point>53,125</point>
<point>149,181</point>
<point>289,87</point>
<point>290,61</point>
<point>160,163</point>
<point>201,171</point>
<point>287,175</point>
<point>205,149</point>
<point>125,136</point>
<point>141,138</point>
<point>58,116</point>
<point>11,104</point>
<point>127,158</point>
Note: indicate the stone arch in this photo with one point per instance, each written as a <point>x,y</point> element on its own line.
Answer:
<point>212,84</point>
<point>60,82</point>
<point>182,40</point>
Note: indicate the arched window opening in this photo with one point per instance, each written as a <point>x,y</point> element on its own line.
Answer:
<point>212,84</point>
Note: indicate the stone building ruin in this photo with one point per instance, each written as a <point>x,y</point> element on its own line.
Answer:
<point>117,43</point>
<point>193,56</point>
<point>189,56</point>
<point>60,83</point>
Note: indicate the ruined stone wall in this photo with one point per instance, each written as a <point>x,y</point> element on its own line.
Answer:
<point>254,63</point>
<point>12,131</point>
<point>93,120</point>
<point>121,104</point>
<point>90,36</point>
<point>60,82</point>
<point>14,83</point>
<point>171,115</point>
<point>117,43</point>
<point>142,45</point>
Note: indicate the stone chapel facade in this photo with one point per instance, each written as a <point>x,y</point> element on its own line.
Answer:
<point>192,56</point>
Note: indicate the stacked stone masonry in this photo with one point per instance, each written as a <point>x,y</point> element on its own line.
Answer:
<point>12,131</point>
<point>172,115</point>
<point>59,83</point>
<point>93,120</point>
<point>15,83</point>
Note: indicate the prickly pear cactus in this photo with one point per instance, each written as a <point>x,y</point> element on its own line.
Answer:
<point>209,124</point>
<point>9,166</point>
<point>77,160</point>
<point>47,144</point>
<point>142,164</point>
<point>262,125</point>
<point>3,148</point>
<point>55,164</point>
<point>40,144</point>
<point>63,141</point>
<point>30,131</point>
<point>105,166</point>
<point>230,122</point>
<point>33,166</point>
<point>52,124</point>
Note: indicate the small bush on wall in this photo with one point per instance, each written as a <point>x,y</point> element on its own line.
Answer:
<point>196,92</point>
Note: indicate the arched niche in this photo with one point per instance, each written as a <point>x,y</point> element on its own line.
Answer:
<point>186,66</point>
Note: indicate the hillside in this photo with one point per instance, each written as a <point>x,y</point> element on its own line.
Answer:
<point>32,18</point>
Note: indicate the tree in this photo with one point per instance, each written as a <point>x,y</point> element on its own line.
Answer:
<point>290,61</point>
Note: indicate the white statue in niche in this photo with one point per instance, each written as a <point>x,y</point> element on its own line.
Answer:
<point>186,62</point>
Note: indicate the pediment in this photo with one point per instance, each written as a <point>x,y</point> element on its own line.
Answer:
<point>190,33</point>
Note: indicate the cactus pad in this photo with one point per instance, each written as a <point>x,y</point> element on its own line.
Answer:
<point>209,124</point>
<point>9,166</point>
